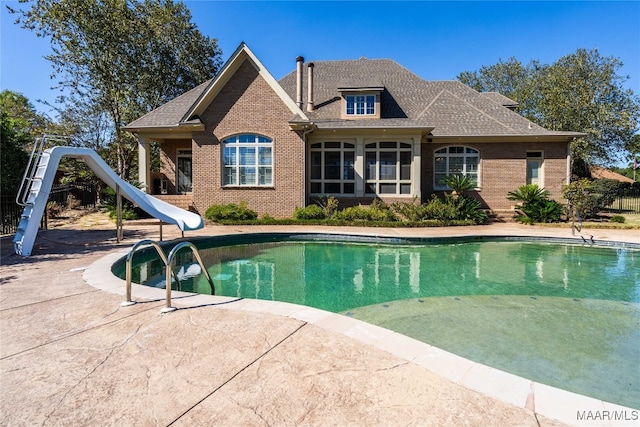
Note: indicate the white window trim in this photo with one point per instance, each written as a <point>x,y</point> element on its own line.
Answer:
<point>540,170</point>
<point>355,113</point>
<point>440,187</point>
<point>377,181</point>
<point>237,145</point>
<point>342,181</point>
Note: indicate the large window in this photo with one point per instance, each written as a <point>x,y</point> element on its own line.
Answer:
<point>331,168</point>
<point>361,105</point>
<point>461,161</point>
<point>388,168</point>
<point>248,160</point>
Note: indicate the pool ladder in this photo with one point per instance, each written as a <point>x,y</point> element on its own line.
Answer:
<point>168,261</point>
<point>578,227</point>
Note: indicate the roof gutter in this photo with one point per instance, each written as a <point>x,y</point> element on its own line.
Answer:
<point>180,127</point>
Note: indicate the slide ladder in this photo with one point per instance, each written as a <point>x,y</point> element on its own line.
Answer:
<point>40,174</point>
<point>32,195</point>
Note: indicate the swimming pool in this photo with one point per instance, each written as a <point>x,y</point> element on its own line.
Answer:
<point>562,314</point>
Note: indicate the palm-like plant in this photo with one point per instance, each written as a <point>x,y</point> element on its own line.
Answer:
<point>528,194</point>
<point>535,205</point>
<point>459,184</point>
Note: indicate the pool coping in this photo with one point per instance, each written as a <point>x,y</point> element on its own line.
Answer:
<point>551,402</point>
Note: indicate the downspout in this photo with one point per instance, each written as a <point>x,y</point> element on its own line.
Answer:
<point>568,177</point>
<point>308,129</point>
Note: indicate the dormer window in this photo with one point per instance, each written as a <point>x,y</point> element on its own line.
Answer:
<point>361,102</point>
<point>361,105</point>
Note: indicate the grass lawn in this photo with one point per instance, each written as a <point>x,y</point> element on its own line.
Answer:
<point>632,221</point>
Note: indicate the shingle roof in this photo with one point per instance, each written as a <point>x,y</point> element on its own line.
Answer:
<point>500,99</point>
<point>171,113</point>
<point>451,107</point>
<point>407,101</point>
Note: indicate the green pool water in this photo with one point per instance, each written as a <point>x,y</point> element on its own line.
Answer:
<point>561,314</point>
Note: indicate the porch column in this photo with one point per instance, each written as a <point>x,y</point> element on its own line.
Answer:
<point>359,166</point>
<point>144,164</point>
<point>416,170</point>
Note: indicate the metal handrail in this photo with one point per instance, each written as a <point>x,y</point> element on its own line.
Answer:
<point>134,248</point>
<point>167,260</point>
<point>32,166</point>
<point>578,227</point>
<point>30,170</point>
<point>172,254</point>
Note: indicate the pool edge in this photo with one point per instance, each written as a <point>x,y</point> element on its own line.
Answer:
<point>550,402</point>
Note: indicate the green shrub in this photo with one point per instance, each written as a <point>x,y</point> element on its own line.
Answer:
<point>544,211</point>
<point>230,212</point>
<point>362,213</point>
<point>329,205</point>
<point>309,212</point>
<point>411,211</point>
<point>440,209</point>
<point>453,207</point>
<point>535,206</point>
<point>109,203</point>
<point>435,208</point>
<point>618,219</point>
<point>468,208</point>
<point>607,190</point>
<point>588,197</point>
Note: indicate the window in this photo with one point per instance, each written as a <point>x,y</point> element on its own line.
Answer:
<point>534,168</point>
<point>184,171</point>
<point>331,168</point>
<point>247,160</point>
<point>388,168</point>
<point>361,105</point>
<point>462,161</point>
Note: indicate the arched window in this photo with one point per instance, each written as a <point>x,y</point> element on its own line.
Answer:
<point>462,161</point>
<point>248,160</point>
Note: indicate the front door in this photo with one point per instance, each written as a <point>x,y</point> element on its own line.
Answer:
<point>184,171</point>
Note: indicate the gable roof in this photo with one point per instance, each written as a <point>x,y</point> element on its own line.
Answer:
<point>185,109</point>
<point>444,108</point>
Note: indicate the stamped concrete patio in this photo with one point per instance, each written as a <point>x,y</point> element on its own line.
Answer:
<point>71,355</point>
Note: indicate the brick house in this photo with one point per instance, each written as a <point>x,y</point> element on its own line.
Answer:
<point>356,129</point>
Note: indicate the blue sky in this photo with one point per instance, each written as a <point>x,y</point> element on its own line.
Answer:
<point>436,40</point>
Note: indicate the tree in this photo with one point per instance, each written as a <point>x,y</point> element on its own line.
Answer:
<point>122,58</point>
<point>19,125</point>
<point>633,147</point>
<point>513,80</point>
<point>583,93</point>
<point>22,116</point>
<point>580,92</point>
